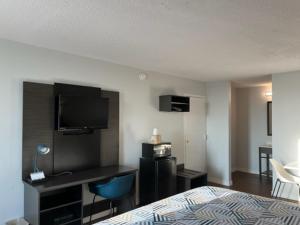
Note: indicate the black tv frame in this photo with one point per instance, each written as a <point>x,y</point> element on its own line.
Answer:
<point>74,129</point>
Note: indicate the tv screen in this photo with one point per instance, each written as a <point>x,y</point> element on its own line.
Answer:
<point>81,112</point>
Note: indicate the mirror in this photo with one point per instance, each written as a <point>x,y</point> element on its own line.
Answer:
<point>269,118</point>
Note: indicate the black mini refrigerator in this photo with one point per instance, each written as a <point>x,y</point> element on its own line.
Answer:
<point>157,173</point>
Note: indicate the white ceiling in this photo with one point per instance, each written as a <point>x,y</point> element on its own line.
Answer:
<point>260,81</point>
<point>199,39</point>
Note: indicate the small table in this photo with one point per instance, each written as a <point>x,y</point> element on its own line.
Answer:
<point>265,152</point>
<point>189,179</point>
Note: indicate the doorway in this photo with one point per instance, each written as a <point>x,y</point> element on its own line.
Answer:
<point>195,135</point>
<point>249,132</point>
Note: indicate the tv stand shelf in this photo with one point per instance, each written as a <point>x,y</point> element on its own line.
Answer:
<point>60,206</point>
<point>60,198</point>
<point>57,207</point>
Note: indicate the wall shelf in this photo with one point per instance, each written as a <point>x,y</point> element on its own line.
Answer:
<point>173,103</point>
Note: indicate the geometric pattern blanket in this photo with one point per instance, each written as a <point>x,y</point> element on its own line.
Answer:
<point>211,206</point>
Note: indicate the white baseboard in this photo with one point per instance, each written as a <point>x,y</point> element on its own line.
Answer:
<point>217,180</point>
<point>246,170</point>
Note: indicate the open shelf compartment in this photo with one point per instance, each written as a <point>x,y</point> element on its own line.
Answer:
<point>172,103</point>
<point>60,198</point>
<point>62,216</point>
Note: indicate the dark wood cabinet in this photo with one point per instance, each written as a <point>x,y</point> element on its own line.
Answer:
<point>58,200</point>
<point>172,103</point>
<point>61,206</point>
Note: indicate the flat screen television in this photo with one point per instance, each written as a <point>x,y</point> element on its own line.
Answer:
<point>81,112</point>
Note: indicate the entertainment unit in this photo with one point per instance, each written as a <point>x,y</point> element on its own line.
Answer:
<point>89,148</point>
<point>69,151</point>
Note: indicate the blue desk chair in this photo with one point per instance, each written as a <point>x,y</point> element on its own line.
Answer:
<point>116,189</point>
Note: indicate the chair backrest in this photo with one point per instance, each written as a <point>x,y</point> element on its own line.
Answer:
<point>118,187</point>
<point>281,173</point>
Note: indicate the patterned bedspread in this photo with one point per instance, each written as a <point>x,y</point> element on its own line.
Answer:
<point>210,206</point>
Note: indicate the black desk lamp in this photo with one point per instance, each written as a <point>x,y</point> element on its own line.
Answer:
<point>38,174</point>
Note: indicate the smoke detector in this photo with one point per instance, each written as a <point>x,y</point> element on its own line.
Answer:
<point>143,76</point>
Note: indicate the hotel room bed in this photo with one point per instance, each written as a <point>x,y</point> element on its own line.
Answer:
<point>210,206</point>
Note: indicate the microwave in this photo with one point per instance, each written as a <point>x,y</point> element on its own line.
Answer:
<point>156,150</point>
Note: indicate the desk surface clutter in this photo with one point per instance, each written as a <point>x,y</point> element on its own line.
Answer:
<point>81,177</point>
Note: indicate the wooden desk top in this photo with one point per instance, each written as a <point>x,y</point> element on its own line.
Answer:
<point>81,177</point>
<point>265,149</point>
<point>190,174</point>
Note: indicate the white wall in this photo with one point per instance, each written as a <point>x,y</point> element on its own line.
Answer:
<point>138,105</point>
<point>286,122</point>
<point>251,112</point>
<point>218,132</point>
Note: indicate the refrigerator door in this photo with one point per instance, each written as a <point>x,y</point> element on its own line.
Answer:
<point>147,181</point>
<point>166,177</point>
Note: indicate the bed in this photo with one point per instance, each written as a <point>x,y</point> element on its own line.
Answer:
<point>211,206</point>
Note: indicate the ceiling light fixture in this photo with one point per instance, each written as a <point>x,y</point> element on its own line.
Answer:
<point>268,93</point>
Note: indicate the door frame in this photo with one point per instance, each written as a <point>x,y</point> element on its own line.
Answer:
<point>184,136</point>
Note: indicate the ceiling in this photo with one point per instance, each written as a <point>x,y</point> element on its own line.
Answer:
<point>200,39</point>
<point>261,81</point>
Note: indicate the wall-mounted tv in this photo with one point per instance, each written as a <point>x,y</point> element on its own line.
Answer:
<point>81,112</point>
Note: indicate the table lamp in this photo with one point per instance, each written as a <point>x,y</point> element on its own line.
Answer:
<point>37,174</point>
<point>155,138</point>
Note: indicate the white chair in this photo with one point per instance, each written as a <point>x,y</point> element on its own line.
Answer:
<point>283,177</point>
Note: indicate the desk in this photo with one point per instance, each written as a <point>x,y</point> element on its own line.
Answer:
<point>265,152</point>
<point>63,196</point>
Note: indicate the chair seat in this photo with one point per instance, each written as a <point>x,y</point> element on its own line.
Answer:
<point>116,189</point>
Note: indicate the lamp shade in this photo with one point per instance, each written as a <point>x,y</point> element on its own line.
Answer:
<point>42,149</point>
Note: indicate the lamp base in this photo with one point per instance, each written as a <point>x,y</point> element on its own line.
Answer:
<point>155,139</point>
<point>37,176</point>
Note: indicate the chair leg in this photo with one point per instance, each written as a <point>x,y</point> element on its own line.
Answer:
<point>111,208</point>
<point>92,209</point>
<point>132,200</point>
<point>273,191</point>
<point>298,192</point>
<point>278,189</point>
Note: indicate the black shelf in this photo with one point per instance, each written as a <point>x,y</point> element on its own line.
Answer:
<point>173,103</point>
<point>61,206</point>
<point>73,222</point>
<point>179,103</point>
<point>59,198</point>
<point>63,215</point>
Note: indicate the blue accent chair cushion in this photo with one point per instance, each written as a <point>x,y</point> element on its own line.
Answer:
<point>116,188</point>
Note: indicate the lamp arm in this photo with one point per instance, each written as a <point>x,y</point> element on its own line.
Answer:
<point>35,167</point>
